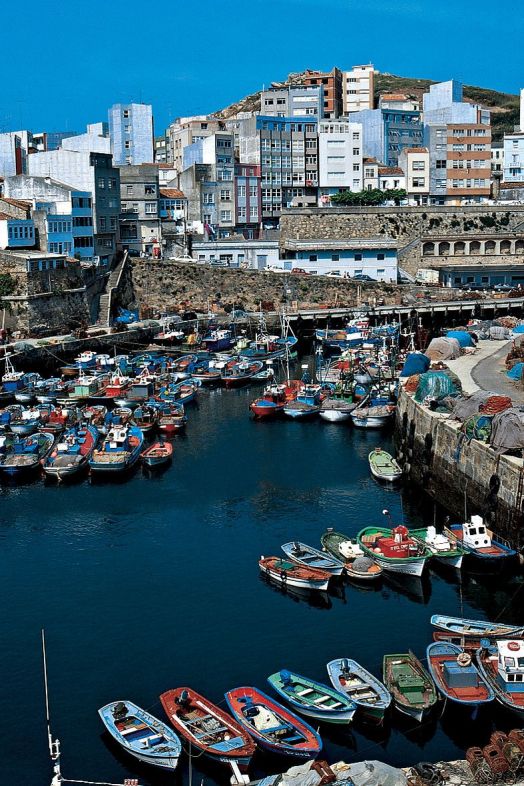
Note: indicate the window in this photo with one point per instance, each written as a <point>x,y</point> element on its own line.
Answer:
<point>150,208</point>
<point>380,257</point>
<point>419,182</point>
<point>150,189</point>
<point>225,195</point>
<point>129,190</point>
<point>335,257</point>
<point>241,191</point>
<point>440,163</point>
<point>208,198</point>
<point>225,215</point>
<point>356,151</point>
<point>358,258</point>
<point>253,192</point>
<point>102,222</point>
<point>313,257</point>
<point>418,165</point>
<point>125,113</point>
<point>356,136</point>
<point>241,212</point>
<point>101,182</point>
<point>356,167</point>
<point>253,211</point>
<point>127,144</point>
<point>112,222</point>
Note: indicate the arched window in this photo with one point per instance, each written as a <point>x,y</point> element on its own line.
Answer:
<point>505,247</point>
<point>428,249</point>
<point>474,247</point>
<point>443,249</point>
<point>490,247</point>
<point>460,248</point>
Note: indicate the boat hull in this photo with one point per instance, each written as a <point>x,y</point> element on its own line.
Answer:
<point>335,415</point>
<point>373,421</point>
<point>289,581</point>
<point>414,568</point>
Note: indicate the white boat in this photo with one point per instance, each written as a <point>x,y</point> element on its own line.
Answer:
<point>446,550</point>
<point>373,416</point>
<point>312,558</point>
<point>336,410</point>
<point>383,466</point>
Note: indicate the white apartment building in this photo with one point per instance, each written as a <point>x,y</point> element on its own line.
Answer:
<point>414,162</point>
<point>340,160</point>
<point>357,88</point>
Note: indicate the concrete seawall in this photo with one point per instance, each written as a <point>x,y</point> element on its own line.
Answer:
<point>455,472</point>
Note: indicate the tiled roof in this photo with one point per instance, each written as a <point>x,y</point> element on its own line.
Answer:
<point>5,217</point>
<point>172,193</point>
<point>417,150</point>
<point>390,170</point>
<point>512,185</point>
<point>394,97</point>
<point>370,161</point>
<point>21,203</point>
<point>166,166</point>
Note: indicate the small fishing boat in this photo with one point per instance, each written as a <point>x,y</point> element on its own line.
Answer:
<point>290,574</point>
<point>336,410</point>
<point>138,391</point>
<point>71,454</point>
<point>24,421</point>
<point>141,734</point>
<point>83,388</point>
<point>47,391</point>
<point>239,372</point>
<point>353,680</point>
<point>206,374</point>
<point>446,550</point>
<point>24,454</point>
<point>383,466</point>
<point>27,392</point>
<point>59,419</point>
<point>12,381</point>
<point>501,665</point>
<point>481,543</point>
<point>455,675</point>
<point>116,388</point>
<point>172,418</point>
<point>273,727</point>
<point>306,555</point>
<point>373,414</point>
<point>268,347</point>
<point>158,454</point>
<point>412,689</point>
<point>218,340</point>
<point>184,366</point>
<point>207,727</point>
<point>120,416</point>
<point>394,549</point>
<point>180,392</point>
<point>96,414</point>
<point>475,628</point>
<point>313,698</point>
<point>356,563</point>
<point>146,417</point>
<point>271,403</point>
<point>307,403</point>
<point>119,450</point>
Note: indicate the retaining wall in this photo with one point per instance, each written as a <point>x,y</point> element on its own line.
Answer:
<point>436,456</point>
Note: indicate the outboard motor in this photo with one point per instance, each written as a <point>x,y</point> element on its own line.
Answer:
<point>183,698</point>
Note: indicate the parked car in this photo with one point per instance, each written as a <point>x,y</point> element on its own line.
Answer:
<point>363,277</point>
<point>333,274</point>
<point>219,263</point>
<point>273,269</point>
<point>298,271</point>
<point>238,313</point>
<point>132,252</point>
<point>502,288</point>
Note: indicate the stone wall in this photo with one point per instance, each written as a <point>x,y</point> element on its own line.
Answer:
<point>406,225</point>
<point>175,286</point>
<point>437,457</point>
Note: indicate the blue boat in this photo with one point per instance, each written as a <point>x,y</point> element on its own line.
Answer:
<point>476,628</point>
<point>27,391</point>
<point>268,348</point>
<point>72,452</point>
<point>369,694</point>
<point>313,698</point>
<point>141,734</point>
<point>312,558</point>
<point>501,665</point>
<point>273,727</point>
<point>119,451</point>
<point>481,543</point>
<point>218,340</point>
<point>456,676</point>
<point>306,404</point>
<point>24,455</point>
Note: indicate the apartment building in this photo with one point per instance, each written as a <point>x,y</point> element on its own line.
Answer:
<point>185,131</point>
<point>332,83</point>
<point>358,89</point>
<point>414,162</point>
<point>131,133</point>
<point>140,228</point>
<point>513,157</point>
<point>468,169</point>
<point>293,101</point>
<point>399,102</point>
<point>340,157</point>
<point>386,132</point>
<point>248,200</point>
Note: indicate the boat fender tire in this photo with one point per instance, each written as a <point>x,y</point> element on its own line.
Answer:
<point>428,773</point>
<point>406,468</point>
<point>464,659</point>
<point>410,453</point>
<point>283,576</point>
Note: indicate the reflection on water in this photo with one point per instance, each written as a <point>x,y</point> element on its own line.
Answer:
<point>153,583</point>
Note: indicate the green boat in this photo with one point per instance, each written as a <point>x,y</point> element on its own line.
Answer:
<point>313,698</point>
<point>357,564</point>
<point>383,466</point>
<point>410,685</point>
<point>444,549</point>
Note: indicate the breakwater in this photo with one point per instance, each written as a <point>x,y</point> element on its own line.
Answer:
<point>465,476</point>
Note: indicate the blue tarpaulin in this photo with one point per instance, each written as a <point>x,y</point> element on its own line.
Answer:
<point>126,317</point>
<point>518,329</point>
<point>517,371</point>
<point>416,363</point>
<point>463,338</point>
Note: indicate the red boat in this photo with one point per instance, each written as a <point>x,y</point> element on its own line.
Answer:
<point>207,728</point>
<point>172,418</point>
<point>116,387</point>
<point>271,403</point>
<point>157,454</point>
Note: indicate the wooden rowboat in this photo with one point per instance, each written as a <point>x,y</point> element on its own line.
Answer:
<point>359,685</point>
<point>310,557</point>
<point>455,675</point>
<point>383,466</point>
<point>273,727</point>
<point>410,685</point>
<point>141,734</point>
<point>157,454</point>
<point>290,574</point>
<point>207,728</point>
<point>313,698</point>
<point>356,564</point>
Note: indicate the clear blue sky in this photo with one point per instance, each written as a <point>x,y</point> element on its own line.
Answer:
<point>66,62</point>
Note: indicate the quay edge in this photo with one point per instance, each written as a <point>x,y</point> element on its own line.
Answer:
<point>436,456</point>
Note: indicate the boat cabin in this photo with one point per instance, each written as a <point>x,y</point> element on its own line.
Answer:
<point>437,541</point>
<point>116,439</point>
<point>510,666</point>
<point>475,533</point>
<point>398,544</point>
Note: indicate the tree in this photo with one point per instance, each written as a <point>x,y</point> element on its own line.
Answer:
<point>371,198</point>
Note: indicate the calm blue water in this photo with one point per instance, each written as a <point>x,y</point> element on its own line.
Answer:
<point>153,584</point>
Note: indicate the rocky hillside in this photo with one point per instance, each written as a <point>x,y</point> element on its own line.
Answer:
<point>504,106</point>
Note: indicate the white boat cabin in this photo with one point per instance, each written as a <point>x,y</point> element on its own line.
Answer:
<point>437,541</point>
<point>510,665</point>
<point>475,533</point>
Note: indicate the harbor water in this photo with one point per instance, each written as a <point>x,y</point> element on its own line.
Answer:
<point>153,583</point>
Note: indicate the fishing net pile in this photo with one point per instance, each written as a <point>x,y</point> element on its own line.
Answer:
<point>464,407</point>
<point>477,427</point>
<point>464,338</point>
<point>507,430</point>
<point>443,349</point>
<point>435,386</point>
<point>494,404</point>
<point>416,363</point>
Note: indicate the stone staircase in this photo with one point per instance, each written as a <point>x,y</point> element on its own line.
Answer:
<point>106,299</point>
